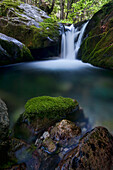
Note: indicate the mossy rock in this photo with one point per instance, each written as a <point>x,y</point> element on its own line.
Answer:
<point>100,18</point>
<point>50,107</point>
<point>88,46</point>
<point>97,48</point>
<point>13,51</point>
<point>29,25</point>
<point>41,113</point>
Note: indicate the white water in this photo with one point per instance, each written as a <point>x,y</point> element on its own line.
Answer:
<point>69,49</point>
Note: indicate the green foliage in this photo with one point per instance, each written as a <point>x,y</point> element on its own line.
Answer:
<point>6,4</point>
<point>49,107</point>
<point>77,11</point>
<point>85,9</point>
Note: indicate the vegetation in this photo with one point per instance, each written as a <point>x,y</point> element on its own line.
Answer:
<point>49,107</point>
<point>65,10</point>
<point>97,48</point>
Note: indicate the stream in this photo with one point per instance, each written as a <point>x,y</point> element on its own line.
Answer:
<point>92,87</point>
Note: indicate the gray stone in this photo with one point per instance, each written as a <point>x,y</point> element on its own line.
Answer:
<point>12,50</point>
<point>4,121</point>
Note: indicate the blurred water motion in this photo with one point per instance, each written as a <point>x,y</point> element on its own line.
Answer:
<point>91,86</point>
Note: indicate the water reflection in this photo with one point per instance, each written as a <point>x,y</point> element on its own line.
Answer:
<point>91,86</point>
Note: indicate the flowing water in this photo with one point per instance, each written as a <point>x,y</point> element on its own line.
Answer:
<point>92,87</point>
<point>71,41</point>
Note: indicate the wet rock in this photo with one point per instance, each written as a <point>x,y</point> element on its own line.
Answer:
<point>99,33</point>
<point>4,121</point>
<point>64,134</point>
<point>64,130</point>
<point>18,166</point>
<point>24,22</point>
<point>50,163</point>
<point>21,155</point>
<point>45,135</point>
<point>49,144</point>
<point>4,129</point>
<point>12,51</point>
<point>41,113</point>
<point>94,151</point>
<point>30,11</point>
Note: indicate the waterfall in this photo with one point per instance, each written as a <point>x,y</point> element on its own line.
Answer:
<point>71,41</point>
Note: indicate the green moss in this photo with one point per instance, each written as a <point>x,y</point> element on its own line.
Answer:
<point>32,36</point>
<point>7,4</point>
<point>50,107</point>
<point>103,57</point>
<point>15,53</point>
<point>89,45</point>
<point>98,50</point>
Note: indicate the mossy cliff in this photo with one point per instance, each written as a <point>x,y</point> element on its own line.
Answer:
<point>29,25</point>
<point>97,48</point>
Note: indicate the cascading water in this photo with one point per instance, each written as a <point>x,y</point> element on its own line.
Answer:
<point>71,41</point>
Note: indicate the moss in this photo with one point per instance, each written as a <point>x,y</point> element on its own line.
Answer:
<point>98,49</point>
<point>103,58</point>
<point>102,54</point>
<point>32,36</point>
<point>14,53</point>
<point>7,4</point>
<point>88,46</point>
<point>106,40</point>
<point>50,107</point>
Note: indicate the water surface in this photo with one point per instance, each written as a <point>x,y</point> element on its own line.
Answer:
<point>92,87</point>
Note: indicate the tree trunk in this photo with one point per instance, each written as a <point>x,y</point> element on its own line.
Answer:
<point>62,9</point>
<point>40,3</point>
<point>69,4</point>
<point>52,6</point>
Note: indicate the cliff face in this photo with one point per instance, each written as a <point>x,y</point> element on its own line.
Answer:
<point>97,48</point>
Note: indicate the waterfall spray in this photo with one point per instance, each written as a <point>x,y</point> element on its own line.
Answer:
<point>71,41</point>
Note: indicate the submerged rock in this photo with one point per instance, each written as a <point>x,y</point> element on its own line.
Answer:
<point>41,113</point>
<point>12,51</point>
<point>4,121</point>
<point>97,48</point>
<point>94,151</point>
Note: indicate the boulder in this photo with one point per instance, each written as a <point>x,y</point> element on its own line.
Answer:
<point>64,130</point>
<point>94,151</point>
<point>41,113</point>
<point>12,51</point>
<point>4,121</point>
<point>97,48</point>
<point>20,155</point>
<point>4,130</point>
<point>31,26</point>
<point>62,134</point>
